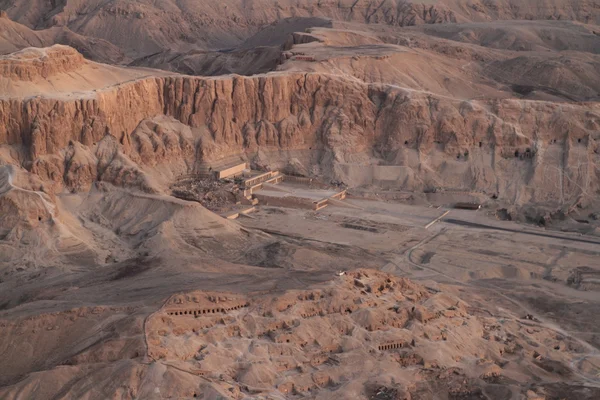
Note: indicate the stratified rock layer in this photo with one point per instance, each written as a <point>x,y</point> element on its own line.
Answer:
<point>483,145</point>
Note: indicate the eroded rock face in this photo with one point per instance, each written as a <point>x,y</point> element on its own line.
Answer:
<point>487,143</point>
<point>32,63</point>
<point>408,341</point>
<point>130,26</point>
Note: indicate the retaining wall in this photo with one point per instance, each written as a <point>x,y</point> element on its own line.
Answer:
<point>260,178</point>
<point>231,171</point>
<point>287,201</point>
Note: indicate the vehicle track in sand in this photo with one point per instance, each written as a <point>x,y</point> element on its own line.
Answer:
<point>6,185</point>
<point>592,351</point>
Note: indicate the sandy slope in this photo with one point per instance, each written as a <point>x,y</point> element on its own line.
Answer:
<point>58,71</point>
<point>14,37</point>
<point>187,25</point>
<point>520,35</point>
<point>258,54</point>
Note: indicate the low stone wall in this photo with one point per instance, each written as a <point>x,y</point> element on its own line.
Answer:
<point>287,201</point>
<point>299,179</point>
<point>250,191</point>
<point>260,178</point>
<point>275,180</point>
<point>248,211</point>
<point>317,205</point>
<point>233,215</point>
<point>311,182</point>
<point>339,196</point>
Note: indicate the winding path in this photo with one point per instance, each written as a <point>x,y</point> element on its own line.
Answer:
<point>6,185</point>
<point>592,351</point>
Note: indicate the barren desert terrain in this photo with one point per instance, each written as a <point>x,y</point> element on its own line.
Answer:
<point>349,199</point>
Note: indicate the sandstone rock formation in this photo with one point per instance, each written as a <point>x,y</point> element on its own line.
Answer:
<point>453,144</point>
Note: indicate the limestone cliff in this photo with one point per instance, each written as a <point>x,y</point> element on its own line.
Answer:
<point>522,150</point>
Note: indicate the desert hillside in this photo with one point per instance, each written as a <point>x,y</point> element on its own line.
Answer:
<point>130,25</point>
<point>495,143</point>
<point>394,199</point>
